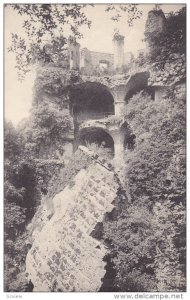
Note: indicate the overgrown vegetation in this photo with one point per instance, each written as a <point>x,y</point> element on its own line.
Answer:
<point>147,235</point>
<point>66,175</point>
<point>171,40</point>
<point>166,46</point>
<point>20,201</point>
<point>146,232</point>
<point>25,180</point>
<point>45,25</point>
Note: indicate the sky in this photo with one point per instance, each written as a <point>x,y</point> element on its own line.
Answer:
<point>18,96</point>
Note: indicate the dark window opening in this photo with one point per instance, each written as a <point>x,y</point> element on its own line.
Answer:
<point>91,100</point>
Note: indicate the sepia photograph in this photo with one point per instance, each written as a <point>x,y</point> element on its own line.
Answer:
<point>94,148</point>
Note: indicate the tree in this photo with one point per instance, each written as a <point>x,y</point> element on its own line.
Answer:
<point>44,25</point>
<point>168,42</point>
<point>12,142</point>
<point>15,255</point>
<point>130,10</point>
<point>129,234</point>
<point>146,233</point>
<point>46,130</point>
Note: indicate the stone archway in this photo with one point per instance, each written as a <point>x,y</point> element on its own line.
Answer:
<point>136,83</point>
<point>97,138</point>
<point>90,100</point>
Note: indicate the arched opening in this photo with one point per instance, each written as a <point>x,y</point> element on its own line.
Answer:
<point>136,83</point>
<point>98,140</point>
<point>91,100</point>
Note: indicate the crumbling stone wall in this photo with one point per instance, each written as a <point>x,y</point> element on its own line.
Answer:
<point>90,60</point>
<point>96,57</point>
<point>64,256</point>
<point>155,22</point>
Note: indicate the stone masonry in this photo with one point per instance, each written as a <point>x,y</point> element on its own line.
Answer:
<point>64,256</point>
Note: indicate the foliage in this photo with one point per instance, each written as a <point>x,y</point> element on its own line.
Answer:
<point>132,11</point>
<point>46,169</point>
<point>43,25</point>
<point>44,132</point>
<point>67,174</point>
<point>147,233</point>
<point>171,40</point>
<point>169,230</point>
<point>20,199</point>
<point>12,194</point>
<point>141,60</point>
<point>14,219</point>
<point>20,284</point>
<point>128,232</point>
<point>21,196</point>
<point>48,125</point>
<point>54,81</point>
<point>15,255</point>
<point>20,177</point>
<point>12,144</point>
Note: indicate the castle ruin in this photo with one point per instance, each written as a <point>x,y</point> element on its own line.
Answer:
<point>64,256</point>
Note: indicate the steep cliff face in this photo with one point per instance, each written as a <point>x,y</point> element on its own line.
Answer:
<point>64,256</point>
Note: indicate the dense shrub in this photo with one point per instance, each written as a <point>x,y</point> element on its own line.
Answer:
<point>66,175</point>
<point>148,234</point>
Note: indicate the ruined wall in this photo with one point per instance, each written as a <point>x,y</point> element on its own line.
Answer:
<point>96,57</point>
<point>74,53</point>
<point>64,257</point>
<point>90,60</point>
<point>51,99</point>
<point>85,60</point>
<point>155,22</point>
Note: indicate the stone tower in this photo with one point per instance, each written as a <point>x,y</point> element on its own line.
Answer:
<point>118,45</point>
<point>74,53</point>
<point>155,24</point>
